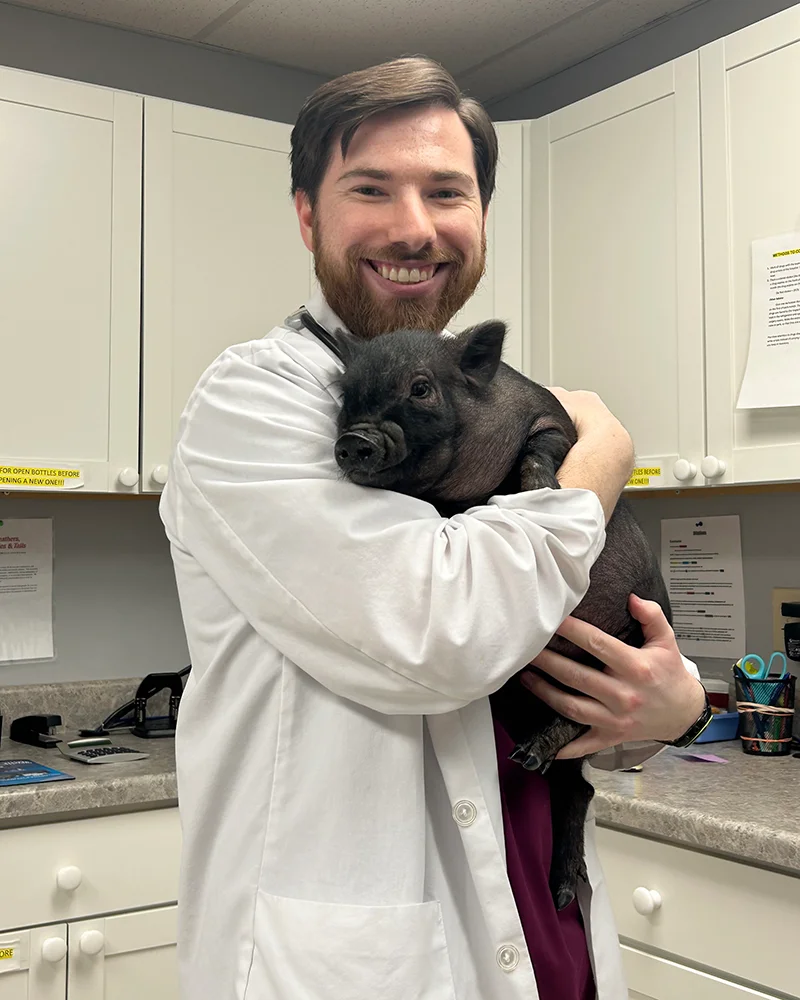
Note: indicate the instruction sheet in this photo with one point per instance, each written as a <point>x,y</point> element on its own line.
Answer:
<point>701,560</point>
<point>26,588</point>
<point>773,361</point>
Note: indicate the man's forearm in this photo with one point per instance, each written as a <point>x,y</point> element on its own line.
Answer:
<point>601,462</point>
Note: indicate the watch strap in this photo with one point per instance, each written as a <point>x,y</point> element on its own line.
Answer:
<point>695,730</point>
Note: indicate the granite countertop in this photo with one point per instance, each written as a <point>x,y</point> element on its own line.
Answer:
<point>747,809</point>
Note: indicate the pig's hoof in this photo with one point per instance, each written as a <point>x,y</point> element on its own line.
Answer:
<point>563,896</point>
<point>519,755</point>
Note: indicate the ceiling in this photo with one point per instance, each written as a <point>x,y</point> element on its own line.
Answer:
<point>492,47</point>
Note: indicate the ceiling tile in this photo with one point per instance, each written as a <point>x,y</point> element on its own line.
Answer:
<point>315,35</point>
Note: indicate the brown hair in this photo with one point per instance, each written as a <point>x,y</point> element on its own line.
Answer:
<point>338,107</point>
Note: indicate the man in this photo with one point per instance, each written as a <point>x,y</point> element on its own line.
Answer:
<point>352,827</point>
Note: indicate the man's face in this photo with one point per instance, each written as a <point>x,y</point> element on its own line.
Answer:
<point>398,230</point>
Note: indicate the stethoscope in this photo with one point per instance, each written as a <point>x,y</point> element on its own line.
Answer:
<point>303,319</point>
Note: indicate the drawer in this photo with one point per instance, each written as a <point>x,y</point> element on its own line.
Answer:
<point>717,913</point>
<point>125,861</point>
<point>652,978</point>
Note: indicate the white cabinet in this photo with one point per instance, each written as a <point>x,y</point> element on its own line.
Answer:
<point>751,157</point>
<point>223,257</point>
<point>616,260</point>
<point>70,223</point>
<point>33,963</point>
<point>500,294</point>
<point>718,915</point>
<point>128,956</point>
<point>87,910</point>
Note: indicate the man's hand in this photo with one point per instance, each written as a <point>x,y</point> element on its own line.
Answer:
<point>643,694</point>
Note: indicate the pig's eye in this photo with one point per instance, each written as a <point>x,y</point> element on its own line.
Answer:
<point>420,389</point>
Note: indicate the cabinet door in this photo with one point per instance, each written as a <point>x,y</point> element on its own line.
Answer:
<point>653,978</point>
<point>751,151</point>
<point>129,956</point>
<point>70,233</point>
<point>617,259</point>
<point>33,964</point>
<point>223,257</point>
<point>500,293</point>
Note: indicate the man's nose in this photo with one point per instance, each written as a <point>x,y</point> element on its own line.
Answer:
<point>412,223</point>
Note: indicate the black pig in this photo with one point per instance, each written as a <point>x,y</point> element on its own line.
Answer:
<point>444,419</point>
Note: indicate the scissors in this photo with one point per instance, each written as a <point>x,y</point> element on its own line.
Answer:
<point>757,670</point>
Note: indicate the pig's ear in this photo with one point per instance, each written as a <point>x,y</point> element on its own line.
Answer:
<point>482,346</point>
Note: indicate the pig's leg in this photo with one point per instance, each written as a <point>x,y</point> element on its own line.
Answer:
<point>551,733</point>
<point>570,795</point>
<point>541,457</point>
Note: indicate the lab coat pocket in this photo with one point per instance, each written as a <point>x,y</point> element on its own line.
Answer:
<point>306,950</point>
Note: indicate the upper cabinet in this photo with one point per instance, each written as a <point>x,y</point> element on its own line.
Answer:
<point>500,293</point>
<point>616,261</point>
<point>223,257</point>
<point>750,83</point>
<point>70,224</point>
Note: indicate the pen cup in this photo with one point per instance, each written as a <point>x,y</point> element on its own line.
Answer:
<point>766,714</point>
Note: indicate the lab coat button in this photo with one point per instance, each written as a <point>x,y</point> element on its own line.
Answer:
<point>464,812</point>
<point>508,957</point>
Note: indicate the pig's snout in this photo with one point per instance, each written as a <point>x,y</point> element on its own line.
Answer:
<point>369,449</point>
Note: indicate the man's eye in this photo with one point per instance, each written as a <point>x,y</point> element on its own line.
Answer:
<point>447,195</point>
<point>369,191</point>
<point>420,389</point>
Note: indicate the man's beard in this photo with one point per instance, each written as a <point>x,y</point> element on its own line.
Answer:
<point>365,315</point>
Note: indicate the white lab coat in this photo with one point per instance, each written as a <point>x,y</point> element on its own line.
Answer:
<point>344,641</point>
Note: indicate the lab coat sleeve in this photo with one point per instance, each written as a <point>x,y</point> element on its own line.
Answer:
<point>624,755</point>
<point>369,591</point>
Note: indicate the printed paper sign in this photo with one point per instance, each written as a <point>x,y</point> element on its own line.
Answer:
<point>26,588</point>
<point>32,477</point>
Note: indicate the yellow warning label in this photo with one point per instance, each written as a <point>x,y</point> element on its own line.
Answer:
<point>786,253</point>
<point>6,954</point>
<point>32,477</point>
<point>642,475</point>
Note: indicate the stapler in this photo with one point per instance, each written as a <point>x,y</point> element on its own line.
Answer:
<point>36,730</point>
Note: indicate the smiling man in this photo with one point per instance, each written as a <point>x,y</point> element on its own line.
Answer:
<point>352,826</point>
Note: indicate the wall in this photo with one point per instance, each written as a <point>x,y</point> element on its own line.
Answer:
<point>682,33</point>
<point>770,551</point>
<point>158,67</point>
<point>114,595</point>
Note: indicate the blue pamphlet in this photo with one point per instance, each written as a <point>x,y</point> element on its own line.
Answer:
<point>26,772</point>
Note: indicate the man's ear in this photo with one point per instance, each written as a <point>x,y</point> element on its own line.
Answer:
<point>305,216</point>
<point>482,346</point>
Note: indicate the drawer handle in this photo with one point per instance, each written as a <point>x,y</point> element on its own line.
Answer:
<point>646,901</point>
<point>54,949</point>
<point>69,878</point>
<point>92,942</point>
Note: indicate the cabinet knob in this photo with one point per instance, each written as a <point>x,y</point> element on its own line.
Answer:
<point>712,467</point>
<point>92,942</point>
<point>54,949</point>
<point>646,901</point>
<point>683,470</point>
<point>128,477</point>
<point>69,878</point>
<point>159,474</point>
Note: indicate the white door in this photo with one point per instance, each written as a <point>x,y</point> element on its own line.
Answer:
<point>33,963</point>
<point>616,246</point>
<point>500,293</point>
<point>70,232</point>
<point>223,257</point>
<point>130,956</point>
<point>751,190</point>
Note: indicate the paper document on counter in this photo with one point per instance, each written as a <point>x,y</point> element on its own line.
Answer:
<point>26,588</point>
<point>773,361</point>
<point>701,561</point>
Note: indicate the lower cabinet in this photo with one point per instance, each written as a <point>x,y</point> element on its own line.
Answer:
<point>88,909</point>
<point>698,927</point>
<point>126,956</point>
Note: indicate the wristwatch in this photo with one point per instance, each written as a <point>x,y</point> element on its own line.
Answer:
<point>694,730</point>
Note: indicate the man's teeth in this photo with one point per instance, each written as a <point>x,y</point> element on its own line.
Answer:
<point>403,275</point>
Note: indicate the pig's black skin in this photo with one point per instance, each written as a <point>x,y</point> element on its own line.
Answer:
<point>444,419</point>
